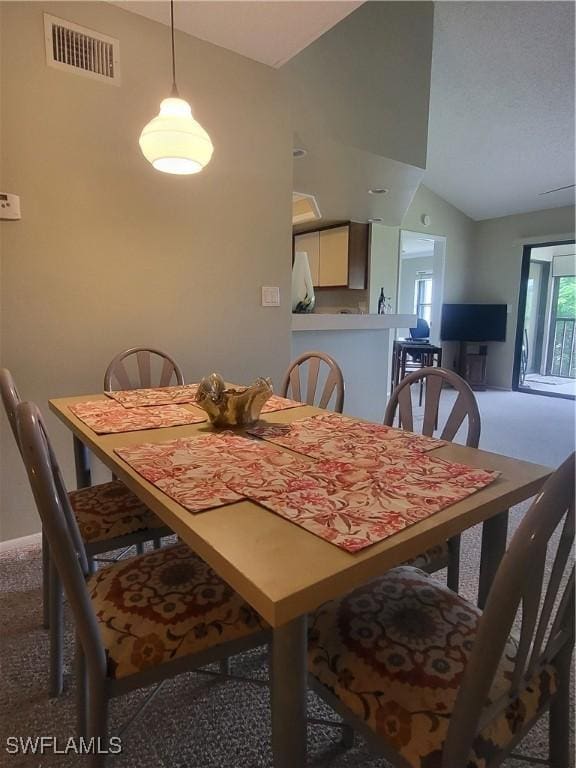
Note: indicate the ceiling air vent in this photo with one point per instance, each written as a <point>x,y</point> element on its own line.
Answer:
<point>80,50</point>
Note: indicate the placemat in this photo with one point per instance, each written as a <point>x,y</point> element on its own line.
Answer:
<point>278,403</point>
<point>363,512</point>
<point>193,470</point>
<point>343,502</point>
<point>334,436</point>
<point>140,398</point>
<point>106,417</point>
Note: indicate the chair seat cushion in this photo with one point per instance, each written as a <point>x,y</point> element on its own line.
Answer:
<point>394,652</point>
<point>108,511</point>
<point>432,560</point>
<point>164,605</point>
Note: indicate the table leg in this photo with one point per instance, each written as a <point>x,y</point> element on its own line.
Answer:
<point>494,534</point>
<point>82,463</point>
<point>288,676</point>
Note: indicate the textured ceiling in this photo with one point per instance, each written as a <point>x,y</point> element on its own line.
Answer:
<point>501,125</point>
<point>266,31</point>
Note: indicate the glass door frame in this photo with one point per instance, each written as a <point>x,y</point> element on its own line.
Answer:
<point>524,275</point>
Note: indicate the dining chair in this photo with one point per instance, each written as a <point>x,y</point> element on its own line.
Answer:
<point>312,366</point>
<point>432,681</point>
<point>141,368</point>
<point>465,408</point>
<point>109,517</point>
<point>141,620</point>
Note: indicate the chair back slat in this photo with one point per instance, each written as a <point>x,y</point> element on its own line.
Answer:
<point>455,419</point>
<point>405,412</point>
<point>295,384</point>
<point>145,374</point>
<point>59,527</point>
<point>330,385</point>
<point>558,569</point>
<point>316,365</point>
<point>312,382</point>
<point>166,373</point>
<point>122,377</point>
<point>530,609</point>
<point>143,358</point>
<point>465,406</point>
<point>431,405</point>
<point>518,583</point>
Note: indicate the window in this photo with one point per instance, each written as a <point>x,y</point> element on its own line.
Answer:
<point>423,298</point>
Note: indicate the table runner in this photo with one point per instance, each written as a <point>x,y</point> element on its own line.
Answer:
<point>106,417</point>
<point>349,503</point>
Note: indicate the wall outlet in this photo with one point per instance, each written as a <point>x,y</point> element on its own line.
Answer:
<point>270,296</point>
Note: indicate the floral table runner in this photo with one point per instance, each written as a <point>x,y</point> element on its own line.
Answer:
<point>349,502</point>
<point>106,417</point>
<point>278,403</point>
<point>140,398</point>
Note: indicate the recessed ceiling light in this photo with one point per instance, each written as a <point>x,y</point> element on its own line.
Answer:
<point>375,220</point>
<point>378,191</point>
<point>299,152</point>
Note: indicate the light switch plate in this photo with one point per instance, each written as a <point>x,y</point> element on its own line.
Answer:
<point>9,206</point>
<point>270,296</point>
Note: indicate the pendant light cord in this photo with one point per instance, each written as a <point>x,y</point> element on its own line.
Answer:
<point>174,88</point>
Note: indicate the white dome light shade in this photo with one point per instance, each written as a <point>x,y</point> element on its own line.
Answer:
<point>174,142</point>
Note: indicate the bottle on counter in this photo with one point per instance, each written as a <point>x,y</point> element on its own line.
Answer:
<point>381,301</point>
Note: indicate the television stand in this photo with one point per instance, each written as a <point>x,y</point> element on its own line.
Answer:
<point>472,364</point>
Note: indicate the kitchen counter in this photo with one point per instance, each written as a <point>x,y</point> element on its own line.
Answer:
<point>360,344</point>
<point>349,322</point>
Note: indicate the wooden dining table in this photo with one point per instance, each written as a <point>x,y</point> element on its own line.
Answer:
<point>284,571</point>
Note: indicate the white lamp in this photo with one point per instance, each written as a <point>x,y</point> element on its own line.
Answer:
<point>173,141</point>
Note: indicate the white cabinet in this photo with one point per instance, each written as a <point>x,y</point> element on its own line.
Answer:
<point>334,257</point>
<point>338,256</point>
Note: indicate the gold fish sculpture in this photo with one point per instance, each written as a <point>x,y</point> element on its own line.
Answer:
<point>232,407</point>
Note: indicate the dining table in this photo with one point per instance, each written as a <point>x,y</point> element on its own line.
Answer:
<point>285,571</point>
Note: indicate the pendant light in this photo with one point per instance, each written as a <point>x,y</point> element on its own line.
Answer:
<point>173,141</point>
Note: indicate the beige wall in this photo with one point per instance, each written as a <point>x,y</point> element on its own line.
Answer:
<point>110,253</point>
<point>494,273</point>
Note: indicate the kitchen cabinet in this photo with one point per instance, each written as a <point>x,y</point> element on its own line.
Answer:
<point>338,255</point>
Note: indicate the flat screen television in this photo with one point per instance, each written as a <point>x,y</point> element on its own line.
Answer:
<point>473,322</point>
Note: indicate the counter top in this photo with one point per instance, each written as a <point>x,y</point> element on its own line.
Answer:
<point>345,322</point>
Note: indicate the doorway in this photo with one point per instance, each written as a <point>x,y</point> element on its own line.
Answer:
<point>421,279</point>
<point>545,355</point>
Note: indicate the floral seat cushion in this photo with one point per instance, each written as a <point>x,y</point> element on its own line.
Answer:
<point>164,605</point>
<point>105,512</point>
<point>394,653</point>
<point>433,559</point>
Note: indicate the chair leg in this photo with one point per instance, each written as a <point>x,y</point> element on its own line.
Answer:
<point>453,578</point>
<point>347,739</point>
<point>559,724</point>
<point>56,633</point>
<point>91,564</point>
<point>140,548</point>
<point>157,543</point>
<point>224,666</point>
<point>81,691</point>
<point>98,722</point>
<point>45,582</point>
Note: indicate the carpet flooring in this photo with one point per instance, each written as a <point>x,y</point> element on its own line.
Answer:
<point>197,722</point>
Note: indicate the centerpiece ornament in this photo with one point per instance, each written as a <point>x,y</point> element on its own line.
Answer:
<point>232,407</point>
